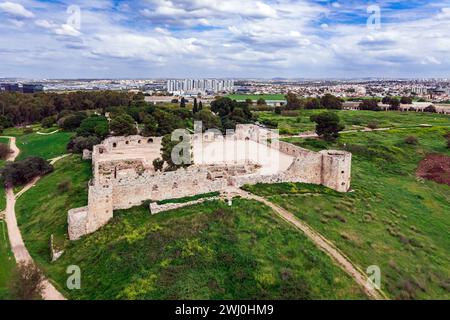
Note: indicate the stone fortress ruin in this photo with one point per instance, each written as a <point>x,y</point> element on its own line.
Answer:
<point>124,176</point>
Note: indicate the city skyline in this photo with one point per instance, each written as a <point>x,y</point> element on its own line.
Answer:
<point>211,39</point>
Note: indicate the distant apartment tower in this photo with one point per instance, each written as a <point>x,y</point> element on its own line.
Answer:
<point>200,85</point>
<point>422,91</point>
<point>23,88</point>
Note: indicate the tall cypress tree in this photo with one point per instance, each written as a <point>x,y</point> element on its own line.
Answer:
<point>200,106</point>
<point>195,108</point>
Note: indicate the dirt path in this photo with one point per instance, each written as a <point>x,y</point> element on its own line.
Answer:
<point>12,145</point>
<point>324,244</point>
<point>19,250</point>
<point>48,133</point>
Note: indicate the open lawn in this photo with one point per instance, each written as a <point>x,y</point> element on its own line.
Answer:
<point>392,219</point>
<point>34,144</point>
<point>208,251</point>
<point>354,119</point>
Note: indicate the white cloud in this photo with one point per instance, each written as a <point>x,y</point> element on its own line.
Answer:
<point>15,9</point>
<point>67,30</point>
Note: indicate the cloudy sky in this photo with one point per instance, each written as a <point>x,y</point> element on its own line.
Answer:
<point>224,38</point>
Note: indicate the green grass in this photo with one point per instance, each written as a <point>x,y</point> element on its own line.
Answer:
<point>356,119</point>
<point>208,251</point>
<point>189,199</point>
<point>392,219</point>
<point>7,263</point>
<point>42,210</point>
<point>33,144</point>
<point>255,97</point>
<point>45,146</point>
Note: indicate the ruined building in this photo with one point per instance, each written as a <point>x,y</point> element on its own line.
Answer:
<point>124,176</point>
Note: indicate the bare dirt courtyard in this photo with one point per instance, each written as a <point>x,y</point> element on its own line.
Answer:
<point>235,152</point>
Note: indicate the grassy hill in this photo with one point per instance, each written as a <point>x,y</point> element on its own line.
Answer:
<point>209,251</point>
<point>392,219</point>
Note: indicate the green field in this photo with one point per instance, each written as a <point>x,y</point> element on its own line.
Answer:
<point>42,210</point>
<point>255,97</point>
<point>195,252</point>
<point>7,263</point>
<point>355,120</point>
<point>34,144</point>
<point>392,219</point>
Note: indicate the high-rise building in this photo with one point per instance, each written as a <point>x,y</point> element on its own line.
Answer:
<point>199,86</point>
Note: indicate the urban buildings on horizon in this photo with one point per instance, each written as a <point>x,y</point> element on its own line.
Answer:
<point>194,86</point>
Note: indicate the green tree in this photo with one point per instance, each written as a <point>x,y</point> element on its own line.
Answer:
<point>293,102</point>
<point>313,103</point>
<point>406,100</point>
<point>94,126</point>
<point>200,106</point>
<point>123,125</point>
<point>166,153</point>
<point>261,102</point>
<point>195,107</point>
<point>208,119</point>
<point>167,122</point>
<point>183,102</point>
<point>394,104</point>
<point>369,105</point>
<point>329,101</point>
<point>150,126</point>
<point>158,164</point>
<point>327,125</point>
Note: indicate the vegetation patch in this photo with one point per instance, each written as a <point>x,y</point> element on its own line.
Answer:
<point>208,251</point>
<point>189,199</point>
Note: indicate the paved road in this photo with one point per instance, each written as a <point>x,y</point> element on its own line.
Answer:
<point>325,245</point>
<point>20,252</point>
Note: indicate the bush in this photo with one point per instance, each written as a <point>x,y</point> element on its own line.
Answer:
<point>278,110</point>
<point>372,125</point>
<point>21,172</point>
<point>158,164</point>
<point>48,122</point>
<point>4,151</point>
<point>270,123</point>
<point>78,144</point>
<point>27,282</point>
<point>431,109</point>
<point>64,186</point>
<point>28,130</point>
<point>289,113</point>
<point>447,136</point>
<point>411,140</point>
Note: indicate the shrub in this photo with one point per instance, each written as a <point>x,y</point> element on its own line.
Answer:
<point>278,110</point>
<point>78,144</point>
<point>71,122</point>
<point>4,151</point>
<point>158,164</point>
<point>411,140</point>
<point>270,123</point>
<point>289,113</point>
<point>372,125</point>
<point>430,108</point>
<point>64,186</point>
<point>48,122</point>
<point>21,172</point>
<point>447,136</point>
<point>27,282</point>
<point>28,130</point>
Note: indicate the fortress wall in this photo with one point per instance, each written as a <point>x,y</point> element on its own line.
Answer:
<point>132,191</point>
<point>122,184</point>
<point>100,206</point>
<point>336,170</point>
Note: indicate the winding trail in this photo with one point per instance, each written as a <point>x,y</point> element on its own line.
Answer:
<point>19,250</point>
<point>321,242</point>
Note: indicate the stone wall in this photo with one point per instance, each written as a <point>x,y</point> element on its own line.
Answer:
<point>128,182</point>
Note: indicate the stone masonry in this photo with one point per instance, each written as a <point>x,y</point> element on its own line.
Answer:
<point>123,173</point>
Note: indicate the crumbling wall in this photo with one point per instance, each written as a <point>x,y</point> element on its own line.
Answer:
<point>122,184</point>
